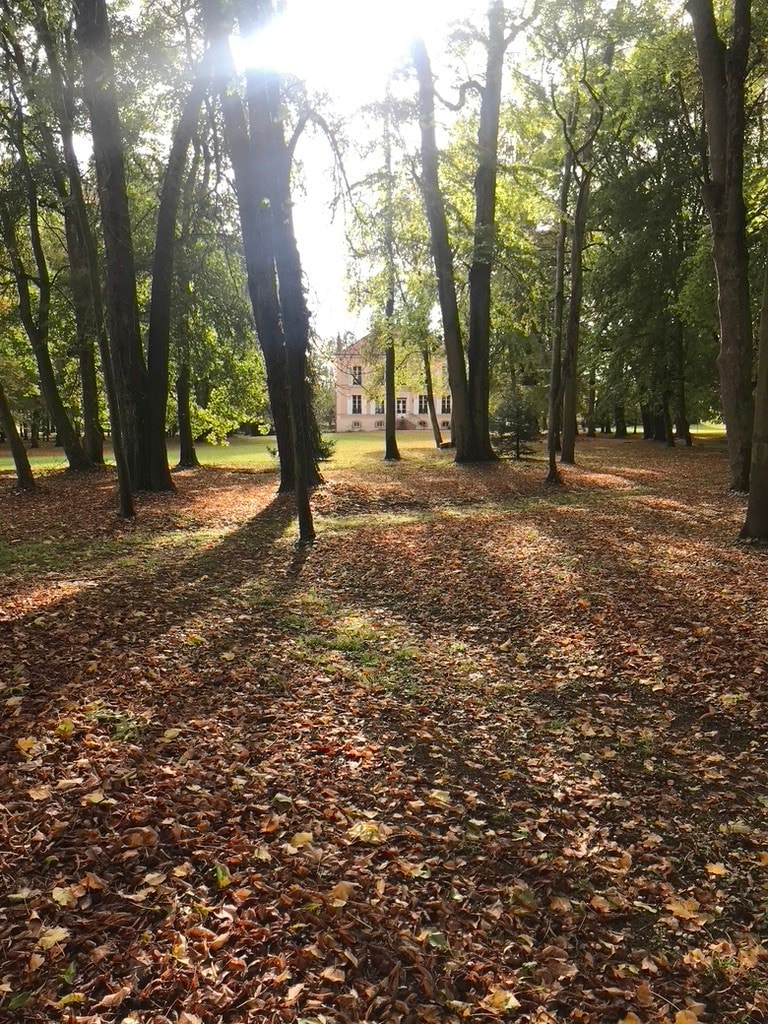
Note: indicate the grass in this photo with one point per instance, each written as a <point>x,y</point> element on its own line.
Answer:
<point>245,453</point>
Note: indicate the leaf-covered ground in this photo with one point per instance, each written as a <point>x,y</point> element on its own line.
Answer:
<point>489,750</point>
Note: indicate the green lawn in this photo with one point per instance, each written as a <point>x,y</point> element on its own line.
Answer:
<point>249,453</point>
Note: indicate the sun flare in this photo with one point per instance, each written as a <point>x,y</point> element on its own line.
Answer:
<point>346,47</point>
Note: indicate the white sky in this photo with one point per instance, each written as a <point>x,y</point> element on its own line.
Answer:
<point>346,48</point>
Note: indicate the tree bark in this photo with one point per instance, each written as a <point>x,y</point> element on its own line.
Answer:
<point>36,324</point>
<point>429,388</point>
<point>159,338</point>
<point>555,374</point>
<point>461,434</point>
<point>20,459</point>
<point>130,375</point>
<point>274,163</point>
<point>723,71</point>
<point>570,360</point>
<point>63,103</point>
<point>187,455</point>
<point>479,333</point>
<point>756,522</point>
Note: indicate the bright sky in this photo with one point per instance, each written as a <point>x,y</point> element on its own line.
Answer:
<point>346,48</point>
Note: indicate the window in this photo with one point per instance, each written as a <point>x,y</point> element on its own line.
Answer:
<point>402,406</point>
<point>379,424</point>
<point>423,406</point>
<point>379,409</point>
<point>355,424</point>
<point>357,404</point>
<point>357,375</point>
<point>445,424</point>
<point>445,404</point>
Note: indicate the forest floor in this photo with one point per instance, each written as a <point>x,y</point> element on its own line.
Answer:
<point>490,750</point>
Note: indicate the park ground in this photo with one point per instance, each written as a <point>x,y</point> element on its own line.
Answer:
<point>490,750</point>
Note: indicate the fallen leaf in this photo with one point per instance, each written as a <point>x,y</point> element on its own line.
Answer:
<point>52,937</point>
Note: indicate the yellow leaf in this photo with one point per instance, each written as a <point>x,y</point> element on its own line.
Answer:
<point>440,796</point>
<point>171,734</point>
<point>368,832</point>
<point>499,1000</point>
<point>301,839</point>
<point>227,656</point>
<point>26,744</point>
<point>631,1018</point>
<point>686,1017</point>
<point>40,792</point>
<point>64,897</point>
<point>716,869</point>
<point>52,937</point>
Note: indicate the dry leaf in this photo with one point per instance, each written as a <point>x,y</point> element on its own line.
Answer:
<point>52,937</point>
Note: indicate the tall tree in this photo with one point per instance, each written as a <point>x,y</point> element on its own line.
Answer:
<point>20,458</point>
<point>723,70</point>
<point>130,372</point>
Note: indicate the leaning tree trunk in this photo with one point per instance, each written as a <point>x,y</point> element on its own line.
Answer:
<point>429,388</point>
<point>756,522</point>
<point>434,205</point>
<point>130,375</point>
<point>20,459</point>
<point>35,325</point>
<point>723,71</point>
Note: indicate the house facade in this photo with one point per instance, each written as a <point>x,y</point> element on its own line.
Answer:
<point>360,393</point>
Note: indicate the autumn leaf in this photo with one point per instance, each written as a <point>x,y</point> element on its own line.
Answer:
<point>716,869</point>
<point>341,892</point>
<point>333,974</point>
<point>40,792</point>
<point>500,1000</point>
<point>368,832</point>
<point>52,937</point>
<point>686,910</point>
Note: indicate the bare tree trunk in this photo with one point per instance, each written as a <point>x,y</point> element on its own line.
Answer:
<point>93,38</point>
<point>723,70</point>
<point>479,333</point>
<point>756,522</point>
<point>391,452</point>
<point>555,373</point>
<point>569,376</point>
<point>442,256</point>
<point>159,339</point>
<point>20,459</point>
<point>428,387</point>
<point>63,101</point>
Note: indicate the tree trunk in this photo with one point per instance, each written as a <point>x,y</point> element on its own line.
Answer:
<point>429,388</point>
<point>723,71</point>
<point>130,375</point>
<point>621,421</point>
<point>756,522</point>
<point>391,452</point>
<point>20,460</point>
<point>479,333</point>
<point>264,105</point>
<point>187,455</point>
<point>442,256</point>
<point>669,434</point>
<point>36,324</point>
<point>159,339</point>
<point>569,379</point>
<point>591,399</point>
<point>63,102</point>
<point>555,373</point>
<point>683,430</point>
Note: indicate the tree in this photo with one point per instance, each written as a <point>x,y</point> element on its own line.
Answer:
<point>723,71</point>
<point>130,373</point>
<point>20,459</point>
